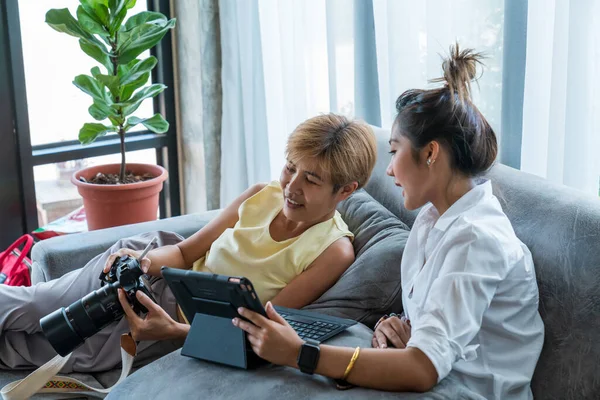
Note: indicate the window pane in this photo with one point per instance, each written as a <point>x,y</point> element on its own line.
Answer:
<point>57,196</point>
<point>57,109</point>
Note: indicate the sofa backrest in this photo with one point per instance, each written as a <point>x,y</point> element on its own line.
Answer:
<point>561,228</point>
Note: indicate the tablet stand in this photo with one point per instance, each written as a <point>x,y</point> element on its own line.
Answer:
<point>216,339</point>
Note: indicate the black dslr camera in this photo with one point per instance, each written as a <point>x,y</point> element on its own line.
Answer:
<point>67,328</point>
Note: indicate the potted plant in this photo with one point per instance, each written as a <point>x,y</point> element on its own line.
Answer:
<point>116,194</point>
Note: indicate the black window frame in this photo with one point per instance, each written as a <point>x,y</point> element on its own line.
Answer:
<point>13,97</point>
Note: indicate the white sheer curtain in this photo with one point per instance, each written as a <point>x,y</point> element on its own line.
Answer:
<point>561,112</point>
<point>285,61</point>
<point>244,141</point>
<point>412,35</point>
<point>294,42</point>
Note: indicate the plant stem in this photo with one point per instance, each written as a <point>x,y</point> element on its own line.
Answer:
<point>114,58</point>
<point>122,137</point>
<point>115,62</point>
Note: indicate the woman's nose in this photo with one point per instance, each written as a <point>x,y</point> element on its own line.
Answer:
<point>389,169</point>
<point>294,185</point>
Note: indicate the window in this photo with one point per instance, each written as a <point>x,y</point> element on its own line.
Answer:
<point>48,111</point>
<point>57,109</point>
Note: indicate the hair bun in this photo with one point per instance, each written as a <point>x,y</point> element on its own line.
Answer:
<point>460,68</point>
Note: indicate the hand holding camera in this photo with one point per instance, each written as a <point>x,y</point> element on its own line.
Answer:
<point>67,328</point>
<point>157,324</point>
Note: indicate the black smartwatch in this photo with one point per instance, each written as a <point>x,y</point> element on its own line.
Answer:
<point>309,356</point>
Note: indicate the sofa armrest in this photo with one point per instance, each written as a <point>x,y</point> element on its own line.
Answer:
<point>52,258</point>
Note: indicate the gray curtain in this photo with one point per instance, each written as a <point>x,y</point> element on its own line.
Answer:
<point>366,83</point>
<point>198,66</point>
<point>513,81</point>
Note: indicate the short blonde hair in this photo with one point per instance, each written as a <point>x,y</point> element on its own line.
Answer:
<point>344,150</point>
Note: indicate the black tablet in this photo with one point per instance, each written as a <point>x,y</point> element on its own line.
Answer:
<point>211,294</point>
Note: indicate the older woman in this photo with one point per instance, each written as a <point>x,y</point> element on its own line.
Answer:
<point>286,237</point>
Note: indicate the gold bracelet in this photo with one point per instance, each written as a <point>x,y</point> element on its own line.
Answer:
<point>351,363</point>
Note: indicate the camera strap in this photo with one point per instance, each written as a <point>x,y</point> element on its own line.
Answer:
<point>45,380</point>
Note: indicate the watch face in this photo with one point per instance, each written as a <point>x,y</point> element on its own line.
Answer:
<point>309,356</point>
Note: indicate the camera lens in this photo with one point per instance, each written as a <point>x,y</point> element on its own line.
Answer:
<point>67,328</point>
<point>60,332</point>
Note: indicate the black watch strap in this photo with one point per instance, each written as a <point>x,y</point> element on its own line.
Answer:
<point>309,356</point>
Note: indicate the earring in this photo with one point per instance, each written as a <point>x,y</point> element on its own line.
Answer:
<point>428,161</point>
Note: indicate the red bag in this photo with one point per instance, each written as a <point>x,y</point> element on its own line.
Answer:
<point>14,264</point>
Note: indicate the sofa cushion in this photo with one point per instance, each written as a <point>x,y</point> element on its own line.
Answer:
<point>370,288</point>
<point>188,378</point>
<point>561,228</point>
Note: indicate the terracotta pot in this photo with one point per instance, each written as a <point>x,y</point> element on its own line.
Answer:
<point>113,205</point>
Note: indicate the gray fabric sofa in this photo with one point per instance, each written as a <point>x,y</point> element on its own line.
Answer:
<point>560,226</point>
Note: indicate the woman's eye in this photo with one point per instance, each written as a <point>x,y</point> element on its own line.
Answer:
<point>392,152</point>
<point>290,169</point>
<point>311,182</point>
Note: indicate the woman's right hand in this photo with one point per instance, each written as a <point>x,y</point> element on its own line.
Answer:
<point>156,325</point>
<point>145,264</point>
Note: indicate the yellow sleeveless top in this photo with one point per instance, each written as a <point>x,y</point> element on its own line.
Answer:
<point>248,249</point>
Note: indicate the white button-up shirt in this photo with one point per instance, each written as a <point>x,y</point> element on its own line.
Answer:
<point>470,292</point>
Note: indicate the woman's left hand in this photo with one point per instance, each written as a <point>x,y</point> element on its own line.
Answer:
<point>272,339</point>
<point>393,330</point>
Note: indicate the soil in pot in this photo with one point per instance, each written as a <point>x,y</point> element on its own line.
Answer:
<point>113,179</point>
